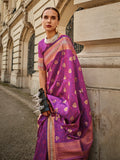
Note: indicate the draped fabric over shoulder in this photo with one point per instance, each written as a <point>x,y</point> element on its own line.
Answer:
<point>67,133</point>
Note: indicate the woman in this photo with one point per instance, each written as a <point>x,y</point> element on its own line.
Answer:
<point>65,132</point>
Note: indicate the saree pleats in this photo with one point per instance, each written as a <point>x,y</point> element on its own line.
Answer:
<point>41,152</point>
<point>50,138</point>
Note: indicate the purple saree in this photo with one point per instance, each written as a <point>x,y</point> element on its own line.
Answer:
<point>67,133</point>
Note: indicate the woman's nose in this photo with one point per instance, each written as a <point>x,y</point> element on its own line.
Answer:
<point>49,19</point>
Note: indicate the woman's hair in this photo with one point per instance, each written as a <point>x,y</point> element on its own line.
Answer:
<point>52,9</point>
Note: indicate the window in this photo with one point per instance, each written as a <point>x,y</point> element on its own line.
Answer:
<point>30,66</point>
<point>70,31</point>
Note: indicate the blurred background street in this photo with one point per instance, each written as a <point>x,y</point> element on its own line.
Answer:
<point>18,125</point>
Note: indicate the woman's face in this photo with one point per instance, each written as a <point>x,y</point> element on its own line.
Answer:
<point>50,20</point>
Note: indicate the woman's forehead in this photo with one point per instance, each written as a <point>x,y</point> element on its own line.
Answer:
<point>50,12</point>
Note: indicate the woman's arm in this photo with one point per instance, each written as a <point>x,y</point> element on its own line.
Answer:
<point>42,79</point>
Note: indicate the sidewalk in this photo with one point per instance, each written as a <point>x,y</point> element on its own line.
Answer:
<point>18,124</point>
<point>21,94</point>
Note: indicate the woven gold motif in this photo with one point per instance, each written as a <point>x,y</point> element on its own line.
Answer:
<point>56,62</point>
<point>70,130</point>
<point>64,90</point>
<point>74,58</point>
<point>70,59</point>
<point>80,69</point>
<point>79,133</point>
<point>61,127</point>
<point>51,91</point>
<point>64,101</point>
<point>86,123</point>
<point>81,91</point>
<point>58,84</point>
<point>71,118</point>
<point>75,92</point>
<point>74,105</point>
<point>70,71</point>
<point>68,138</point>
<point>50,69</point>
<point>54,101</point>
<point>86,101</point>
<point>58,72</point>
<point>63,65</point>
<point>65,78</point>
<point>57,138</point>
<point>68,83</point>
<point>66,109</point>
<point>56,109</point>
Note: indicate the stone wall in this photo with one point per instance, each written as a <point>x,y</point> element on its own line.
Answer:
<point>97,27</point>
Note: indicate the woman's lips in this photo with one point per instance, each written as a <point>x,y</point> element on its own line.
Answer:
<point>48,26</point>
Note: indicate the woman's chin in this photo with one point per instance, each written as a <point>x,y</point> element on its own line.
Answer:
<point>49,29</point>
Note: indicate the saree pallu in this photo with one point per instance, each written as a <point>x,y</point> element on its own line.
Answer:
<point>66,134</point>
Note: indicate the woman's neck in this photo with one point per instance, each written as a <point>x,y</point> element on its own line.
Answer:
<point>50,34</point>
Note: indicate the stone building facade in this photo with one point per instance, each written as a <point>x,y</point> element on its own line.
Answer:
<point>97,28</point>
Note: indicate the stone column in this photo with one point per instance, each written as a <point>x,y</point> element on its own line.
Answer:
<point>5,10</point>
<point>1,10</point>
<point>97,27</point>
<point>13,4</point>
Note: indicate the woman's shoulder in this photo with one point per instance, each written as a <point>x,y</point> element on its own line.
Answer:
<point>42,46</point>
<point>65,38</point>
<point>41,43</point>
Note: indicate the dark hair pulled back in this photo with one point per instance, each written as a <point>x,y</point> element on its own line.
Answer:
<point>52,9</point>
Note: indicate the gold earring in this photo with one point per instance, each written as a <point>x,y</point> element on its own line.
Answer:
<point>56,30</point>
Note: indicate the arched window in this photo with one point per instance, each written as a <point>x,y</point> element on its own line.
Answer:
<point>10,56</point>
<point>30,66</point>
<point>70,31</point>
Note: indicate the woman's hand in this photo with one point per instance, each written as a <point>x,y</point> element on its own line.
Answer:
<point>47,113</point>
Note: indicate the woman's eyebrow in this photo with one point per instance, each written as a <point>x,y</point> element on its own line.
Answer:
<point>53,16</point>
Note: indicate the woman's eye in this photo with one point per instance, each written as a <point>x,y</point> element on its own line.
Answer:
<point>53,17</point>
<point>45,17</point>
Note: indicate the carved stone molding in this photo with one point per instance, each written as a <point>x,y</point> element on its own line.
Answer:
<point>15,16</point>
<point>25,17</point>
<point>93,3</point>
<point>0,17</point>
<point>0,41</point>
<point>9,34</point>
<point>5,1</point>
<point>61,5</point>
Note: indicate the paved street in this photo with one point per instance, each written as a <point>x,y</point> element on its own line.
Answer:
<point>18,129</point>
